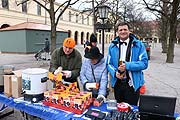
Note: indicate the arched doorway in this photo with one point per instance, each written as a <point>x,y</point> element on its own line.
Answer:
<point>4,26</point>
<point>99,36</point>
<point>87,36</point>
<point>76,37</point>
<point>82,37</point>
<point>106,39</point>
<point>69,33</point>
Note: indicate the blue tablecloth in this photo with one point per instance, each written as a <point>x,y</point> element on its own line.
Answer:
<point>49,113</point>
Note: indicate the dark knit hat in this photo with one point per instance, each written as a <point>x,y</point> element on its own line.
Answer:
<point>93,38</point>
<point>93,53</point>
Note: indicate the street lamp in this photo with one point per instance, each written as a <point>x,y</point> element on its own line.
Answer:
<point>103,14</point>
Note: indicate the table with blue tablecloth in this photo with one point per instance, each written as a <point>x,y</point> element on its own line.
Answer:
<point>46,112</point>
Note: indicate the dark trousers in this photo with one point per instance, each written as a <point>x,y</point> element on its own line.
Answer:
<point>124,93</point>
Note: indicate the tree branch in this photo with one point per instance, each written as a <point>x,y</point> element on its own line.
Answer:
<point>68,4</point>
<point>153,9</point>
<point>24,1</point>
<point>42,5</point>
<point>74,2</point>
<point>60,6</point>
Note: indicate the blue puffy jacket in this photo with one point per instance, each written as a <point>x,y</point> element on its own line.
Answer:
<point>138,61</point>
<point>100,74</point>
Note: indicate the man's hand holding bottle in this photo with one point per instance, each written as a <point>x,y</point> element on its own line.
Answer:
<point>121,70</point>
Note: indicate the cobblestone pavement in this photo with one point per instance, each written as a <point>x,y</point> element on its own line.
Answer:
<point>161,78</point>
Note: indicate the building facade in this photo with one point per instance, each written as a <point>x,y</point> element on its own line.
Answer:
<point>79,25</point>
<point>28,37</point>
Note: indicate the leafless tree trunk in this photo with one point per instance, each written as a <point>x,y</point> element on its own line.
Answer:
<point>94,16</point>
<point>173,27</point>
<point>115,14</point>
<point>164,34</point>
<point>164,27</point>
<point>173,12</point>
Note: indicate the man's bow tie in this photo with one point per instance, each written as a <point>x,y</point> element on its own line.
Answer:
<point>123,43</point>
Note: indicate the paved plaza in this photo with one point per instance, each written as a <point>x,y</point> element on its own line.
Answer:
<point>161,78</point>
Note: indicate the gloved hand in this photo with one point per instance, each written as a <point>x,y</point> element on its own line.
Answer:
<point>99,100</point>
<point>67,73</point>
<point>59,70</point>
<point>90,86</point>
<point>101,96</point>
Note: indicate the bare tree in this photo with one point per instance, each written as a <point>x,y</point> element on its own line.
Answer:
<point>173,12</point>
<point>164,27</point>
<point>139,25</point>
<point>127,11</point>
<point>114,13</point>
<point>90,10</point>
<point>49,6</point>
<point>94,16</point>
<point>94,10</point>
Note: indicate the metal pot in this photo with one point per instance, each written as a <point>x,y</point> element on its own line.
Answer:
<point>33,80</point>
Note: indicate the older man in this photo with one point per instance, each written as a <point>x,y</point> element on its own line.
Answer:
<point>69,59</point>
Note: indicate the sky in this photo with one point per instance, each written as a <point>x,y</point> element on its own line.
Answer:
<point>81,5</point>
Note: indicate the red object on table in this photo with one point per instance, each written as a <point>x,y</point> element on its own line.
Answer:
<point>76,111</point>
<point>123,107</point>
<point>97,102</point>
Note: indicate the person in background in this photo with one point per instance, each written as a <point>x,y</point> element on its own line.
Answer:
<point>93,42</point>
<point>86,43</point>
<point>126,60</point>
<point>46,49</point>
<point>47,46</point>
<point>93,74</point>
<point>69,59</point>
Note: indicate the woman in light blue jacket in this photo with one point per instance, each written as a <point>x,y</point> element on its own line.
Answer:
<point>93,74</point>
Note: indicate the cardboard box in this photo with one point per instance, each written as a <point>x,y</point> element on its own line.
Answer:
<point>8,69</point>
<point>75,102</point>
<point>7,85</point>
<point>16,80</point>
<point>13,84</point>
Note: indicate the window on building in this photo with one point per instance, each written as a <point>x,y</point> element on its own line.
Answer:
<point>69,16</point>
<point>38,9</point>
<point>5,4</point>
<point>82,19</point>
<point>76,18</point>
<point>24,6</point>
<point>88,20</point>
<point>61,18</point>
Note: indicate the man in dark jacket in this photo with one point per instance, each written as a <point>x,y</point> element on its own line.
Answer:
<point>69,59</point>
